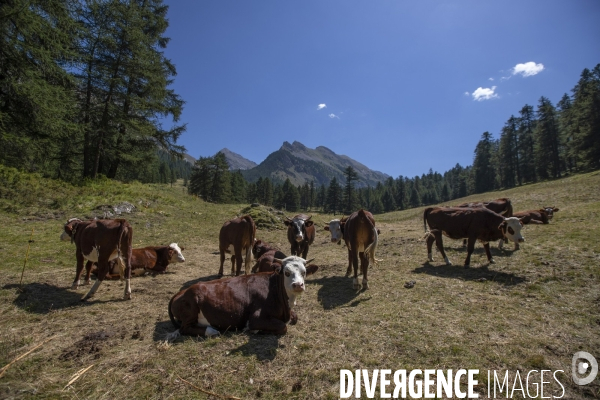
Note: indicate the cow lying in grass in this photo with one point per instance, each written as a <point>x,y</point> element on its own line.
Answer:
<point>257,302</point>
<point>154,259</point>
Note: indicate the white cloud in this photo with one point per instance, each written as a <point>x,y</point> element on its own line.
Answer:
<point>491,79</point>
<point>321,106</point>
<point>484,93</point>
<point>467,94</point>
<point>332,115</point>
<point>528,69</point>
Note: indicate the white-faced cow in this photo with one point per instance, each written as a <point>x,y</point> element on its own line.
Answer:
<point>360,236</point>
<point>237,237</point>
<point>477,223</point>
<point>300,234</point>
<point>257,302</point>
<point>335,229</point>
<point>153,259</point>
<point>100,241</point>
<point>265,256</point>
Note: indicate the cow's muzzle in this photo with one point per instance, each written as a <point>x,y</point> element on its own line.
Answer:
<point>298,287</point>
<point>299,238</point>
<point>521,240</point>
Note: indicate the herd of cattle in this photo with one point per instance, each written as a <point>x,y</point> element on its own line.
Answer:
<point>262,298</point>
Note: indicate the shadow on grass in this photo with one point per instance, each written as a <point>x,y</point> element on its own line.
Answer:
<point>263,346</point>
<point>469,274</point>
<point>337,291</point>
<point>42,298</point>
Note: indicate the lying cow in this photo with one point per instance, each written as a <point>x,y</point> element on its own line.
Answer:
<point>360,236</point>
<point>470,223</point>
<point>257,302</point>
<point>533,216</point>
<point>153,259</point>
<point>300,234</point>
<point>265,257</point>
<point>100,241</point>
<point>237,237</point>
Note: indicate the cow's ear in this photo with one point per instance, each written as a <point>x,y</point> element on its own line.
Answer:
<point>170,253</point>
<point>326,227</point>
<point>182,248</point>
<point>311,269</point>
<point>277,268</point>
<point>378,231</point>
<point>521,221</point>
<point>308,223</point>
<point>554,209</point>
<point>502,227</point>
<point>287,223</point>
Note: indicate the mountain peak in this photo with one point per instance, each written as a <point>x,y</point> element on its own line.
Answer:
<point>237,161</point>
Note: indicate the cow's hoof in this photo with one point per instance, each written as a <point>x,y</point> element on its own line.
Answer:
<point>127,296</point>
<point>492,261</point>
<point>74,287</point>
<point>210,332</point>
<point>517,247</point>
<point>365,285</point>
<point>467,265</point>
<point>85,298</point>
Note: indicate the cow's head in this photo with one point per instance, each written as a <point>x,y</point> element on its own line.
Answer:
<point>260,248</point>
<point>335,228</point>
<point>294,270</point>
<point>175,255</point>
<point>69,229</point>
<point>511,229</point>
<point>298,227</point>
<point>550,210</point>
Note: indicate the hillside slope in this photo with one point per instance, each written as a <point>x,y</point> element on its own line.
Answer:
<point>531,310</point>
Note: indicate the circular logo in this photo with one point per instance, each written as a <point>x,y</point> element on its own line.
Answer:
<point>580,367</point>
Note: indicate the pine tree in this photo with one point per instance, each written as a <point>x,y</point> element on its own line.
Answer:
<point>484,174</point>
<point>526,144</point>
<point>508,155</point>
<point>586,107</point>
<point>566,125</point>
<point>349,196</point>
<point>334,197</point>
<point>546,137</point>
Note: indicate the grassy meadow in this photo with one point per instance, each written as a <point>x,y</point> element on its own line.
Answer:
<point>533,309</point>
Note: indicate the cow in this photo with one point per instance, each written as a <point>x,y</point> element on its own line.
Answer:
<point>334,227</point>
<point>501,206</point>
<point>257,302</point>
<point>237,237</point>
<point>153,259</point>
<point>360,236</point>
<point>265,256</point>
<point>540,216</point>
<point>551,210</point>
<point>100,241</point>
<point>301,234</point>
<point>478,223</point>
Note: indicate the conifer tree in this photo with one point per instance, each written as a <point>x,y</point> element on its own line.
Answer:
<point>334,197</point>
<point>349,196</point>
<point>526,144</point>
<point>547,141</point>
<point>483,169</point>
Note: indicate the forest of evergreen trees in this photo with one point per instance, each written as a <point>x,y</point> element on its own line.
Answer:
<point>84,86</point>
<point>84,89</point>
<point>540,143</point>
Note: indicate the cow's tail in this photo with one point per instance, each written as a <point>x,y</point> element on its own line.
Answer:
<point>248,259</point>
<point>370,250</point>
<point>176,323</point>
<point>425,215</point>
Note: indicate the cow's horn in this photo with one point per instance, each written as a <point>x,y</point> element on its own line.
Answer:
<point>288,218</point>
<point>308,218</point>
<point>309,261</point>
<point>278,260</point>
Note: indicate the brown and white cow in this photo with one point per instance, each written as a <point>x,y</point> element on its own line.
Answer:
<point>477,223</point>
<point>501,206</point>
<point>100,241</point>
<point>256,302</point>
<point>360,236</point>
<point>237,237</point>
<point>265,256</point>
<point>154,259</point>
<point>300,234</point>
<point>334,227</point>
<point>533,216</point>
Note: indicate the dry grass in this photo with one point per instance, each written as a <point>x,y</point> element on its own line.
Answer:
<point>534,308</point>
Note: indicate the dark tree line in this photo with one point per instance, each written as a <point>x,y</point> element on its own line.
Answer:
<point>84,88</point>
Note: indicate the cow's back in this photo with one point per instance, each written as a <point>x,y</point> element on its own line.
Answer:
<point>359,230</point>
<point>460,223</point>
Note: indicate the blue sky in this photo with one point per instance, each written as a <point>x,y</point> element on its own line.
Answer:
<point>400,86</point>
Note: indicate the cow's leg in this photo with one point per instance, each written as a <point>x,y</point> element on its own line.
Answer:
<point>78,270</point>
<point>88,272</point>
<point>464,242</point>
<point>486,246</point>
<point>305,251</point>
<point>355,284</point>
<point>268,325</point>
<point>439,243</point>
<point>248,260</point>
<point>102,265</point>
<point>501,244</point>
<point>222,262</point>
<point>364,266</point>
<point>238,261</point>
<point>470,248</point>
<point>430,240</point>
<point>196,330</point>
